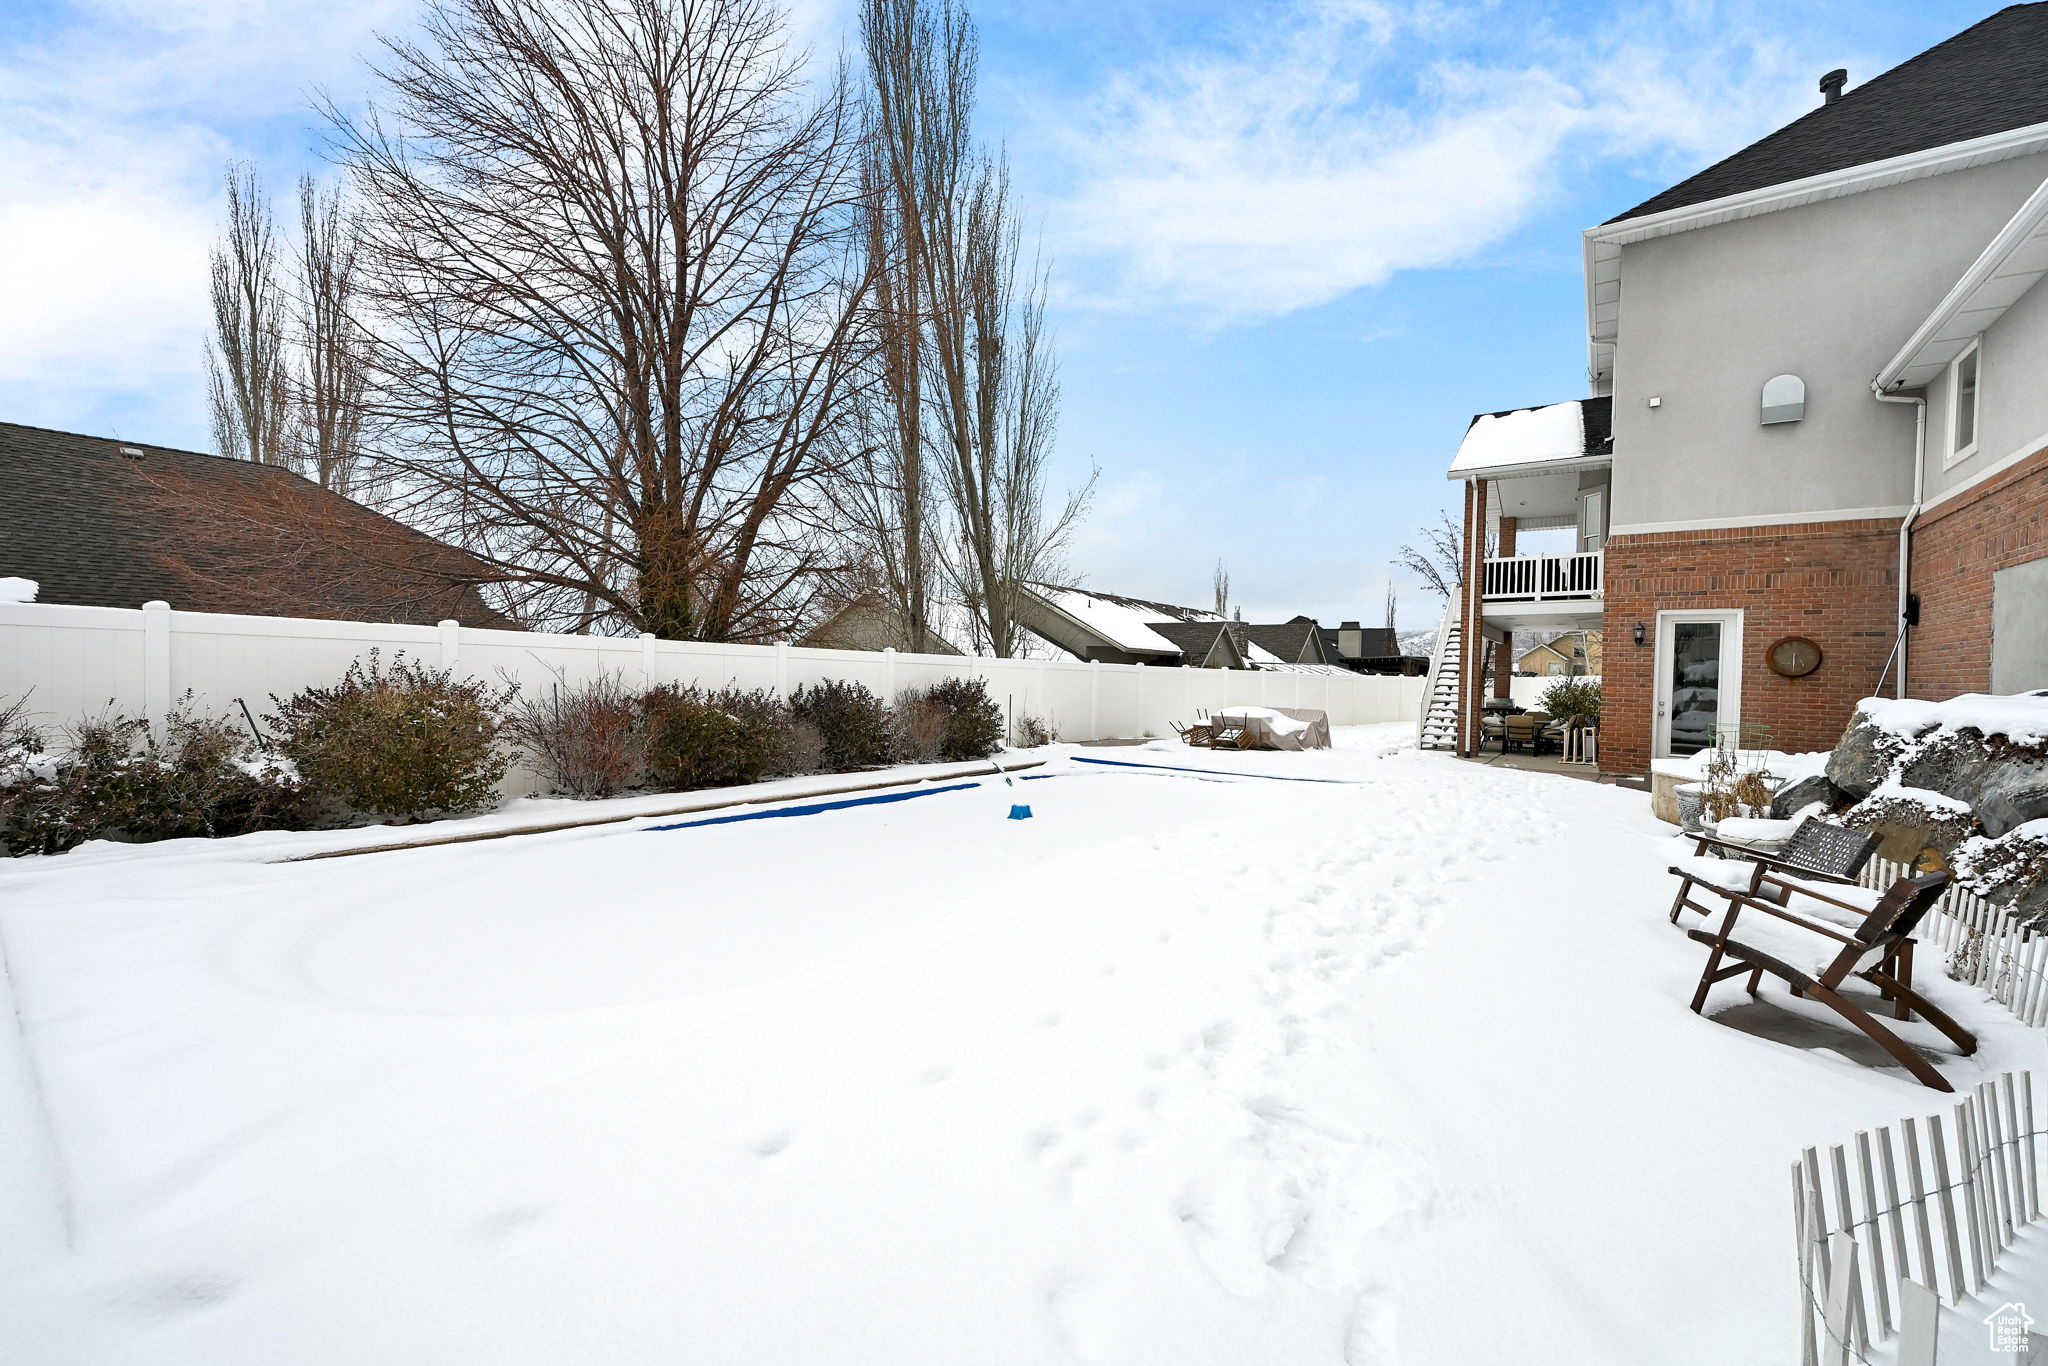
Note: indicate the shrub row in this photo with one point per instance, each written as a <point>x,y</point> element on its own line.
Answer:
<point>402,741</point>
<point>598,738</point>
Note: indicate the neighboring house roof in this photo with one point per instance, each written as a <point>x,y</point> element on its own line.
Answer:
<point>95,526</point>
<point>1990,78</point>
<point>1204,644</point>
<point>1374,642</point>
<point>1290,642</point>
<point>1525,439</point>
<point>869,621</point>
<point>1121,623</point>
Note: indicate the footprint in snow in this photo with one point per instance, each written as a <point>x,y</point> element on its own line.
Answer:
<point>177,1297</point>
<point>1079,1316</point>
<point>773,1150</point>
<point>1369,1334</point>
<point>506,1230</point>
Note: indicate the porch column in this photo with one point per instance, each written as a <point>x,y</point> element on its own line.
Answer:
<point>1472,658</point>
<point>1504,653</point>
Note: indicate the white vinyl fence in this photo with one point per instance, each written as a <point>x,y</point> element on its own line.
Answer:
<point>72,661</point>
<point>1885,1239</point>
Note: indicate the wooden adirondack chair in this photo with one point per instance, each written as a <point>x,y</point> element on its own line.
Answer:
<point>1818,851</point>
<point>1815,956</point>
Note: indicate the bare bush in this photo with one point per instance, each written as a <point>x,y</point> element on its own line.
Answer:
<point>587,739</point>
<point>918,726</point>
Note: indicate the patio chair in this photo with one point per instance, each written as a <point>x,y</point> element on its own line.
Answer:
<point>1232,736</point>
<point>1525,730</point>
<point>1815,957</point>
<point>1818,851</point>
<point>1196,734</point>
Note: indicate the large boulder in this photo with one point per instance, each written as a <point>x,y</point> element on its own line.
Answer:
<point>1863,757</point>
<point>2008,870</point>
<point>2005,784</point>
<point>1908,823</point>
<point>1793,798</point>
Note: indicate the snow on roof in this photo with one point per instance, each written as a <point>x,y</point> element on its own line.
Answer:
<point>1527,436</point>
<point>2021,718</point>
<point>18,590</point>
<point>1258,654</point>
<point>1115,620</point>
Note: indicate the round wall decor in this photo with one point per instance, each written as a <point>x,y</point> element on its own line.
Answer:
<point>1793,657</point>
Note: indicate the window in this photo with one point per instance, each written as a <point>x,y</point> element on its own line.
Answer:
<point>1962,404</point>
<point>1592,519</point>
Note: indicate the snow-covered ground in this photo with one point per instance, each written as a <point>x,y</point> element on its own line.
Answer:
<point>1393,1067</point>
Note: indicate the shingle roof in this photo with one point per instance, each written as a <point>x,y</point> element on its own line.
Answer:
<point>98,528</point>
<point>1990,78</point>
<point>1195,639</point>
<point>1288,639</point>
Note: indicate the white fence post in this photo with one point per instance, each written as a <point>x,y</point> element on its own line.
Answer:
<point>889,674</point>
<point>451,642</point>
<point>1094,699</point>
<point>647,639</point>
<point>1919,1321</point>
<point>782,670</point>
<point>156,666</point>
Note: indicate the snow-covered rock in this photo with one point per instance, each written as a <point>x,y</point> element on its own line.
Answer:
<point>18,590</point>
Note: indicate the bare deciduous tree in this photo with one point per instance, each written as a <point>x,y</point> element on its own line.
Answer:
<point>1391,600</point>
<point>1221,583</point>
<point>247,380</point>
<point>1440,560</point>
<point>610,246</point>
<point>332,370</point>
<point>985,397</point>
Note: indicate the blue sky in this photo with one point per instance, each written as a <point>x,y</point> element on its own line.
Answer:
<point>1295,246</point>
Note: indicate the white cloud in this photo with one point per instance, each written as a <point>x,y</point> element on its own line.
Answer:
<point>115,128</point>
<point>1338,145</point>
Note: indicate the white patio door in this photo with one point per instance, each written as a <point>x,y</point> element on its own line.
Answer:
<point>1699,680</point>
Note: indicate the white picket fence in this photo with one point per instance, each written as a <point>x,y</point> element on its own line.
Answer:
<point>1865,1276</point>
<point>1967,1191</point>
<point>1984,945</point>
<point>72,661</point>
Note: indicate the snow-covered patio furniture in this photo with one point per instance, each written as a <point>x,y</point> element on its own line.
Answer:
<point>1815,955</point>
<point>1818,850</point>
<point>1274,728</point>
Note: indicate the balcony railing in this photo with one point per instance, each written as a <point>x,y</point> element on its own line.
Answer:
<point>1542,578</point>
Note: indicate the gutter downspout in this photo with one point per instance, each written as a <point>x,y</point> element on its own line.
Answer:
<point>1906,526</point>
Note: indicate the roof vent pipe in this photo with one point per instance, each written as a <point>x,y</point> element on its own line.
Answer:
<point>1832,83</point>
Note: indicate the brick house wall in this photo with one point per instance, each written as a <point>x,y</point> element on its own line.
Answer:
<point>1957,547</point>
<point>1832,582</point>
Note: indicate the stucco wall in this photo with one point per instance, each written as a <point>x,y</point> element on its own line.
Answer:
<point>2012,399</point>
<point>1827,292</point>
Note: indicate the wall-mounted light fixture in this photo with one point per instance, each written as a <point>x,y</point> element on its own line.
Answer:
<point>1784,399</point>
<point>1639,633</point>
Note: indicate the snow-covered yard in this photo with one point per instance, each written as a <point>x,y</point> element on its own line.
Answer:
<point>1394,1068</point>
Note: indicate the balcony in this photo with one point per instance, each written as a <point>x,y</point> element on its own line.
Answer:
<point>1543,578</point>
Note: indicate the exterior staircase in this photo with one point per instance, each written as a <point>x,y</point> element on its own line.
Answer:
<point>1438,728</point>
